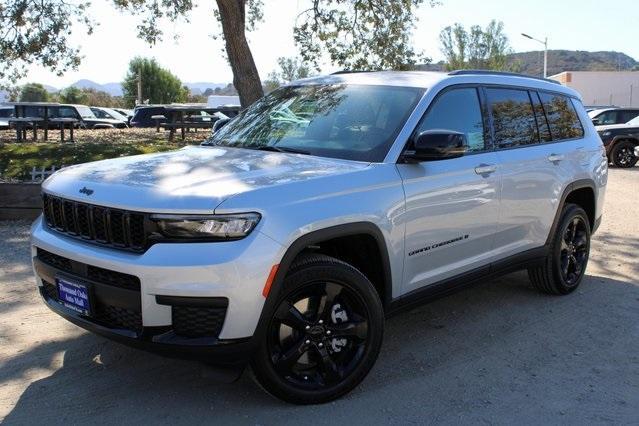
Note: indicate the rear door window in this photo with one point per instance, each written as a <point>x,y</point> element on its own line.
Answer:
<point>562,117</point>
<point>513,118</point>
<point>627,115</point>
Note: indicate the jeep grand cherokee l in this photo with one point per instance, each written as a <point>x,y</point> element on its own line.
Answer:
<point>285,239</point>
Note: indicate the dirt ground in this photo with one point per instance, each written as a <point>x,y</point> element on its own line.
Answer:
<point>497,353</point>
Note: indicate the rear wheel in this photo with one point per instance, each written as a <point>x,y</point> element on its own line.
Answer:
<point>564,268</point>
<point>324,335</point>
<point>623,154</point>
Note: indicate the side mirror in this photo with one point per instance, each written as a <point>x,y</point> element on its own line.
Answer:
<point>433,145</point>
<point>219,124</point>
<point>596,122</point>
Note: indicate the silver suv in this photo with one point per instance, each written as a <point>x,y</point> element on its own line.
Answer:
<point>285,239</point>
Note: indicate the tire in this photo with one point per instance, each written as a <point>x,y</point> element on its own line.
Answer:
<point>623,154</point>
<point>335,324</point>
<point>565,265</point>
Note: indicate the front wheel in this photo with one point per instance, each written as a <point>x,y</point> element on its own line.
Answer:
<point>623,154</point>
<point>324,334</point>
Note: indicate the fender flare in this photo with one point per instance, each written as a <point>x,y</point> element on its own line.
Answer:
<point>344,230</point>
<point>578,184</point>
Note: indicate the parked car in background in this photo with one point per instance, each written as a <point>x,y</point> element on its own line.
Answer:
<point>621,141</point>
<point>109,113</point>
<point>6,112</point>
<point>607,116</point>
<point>82,113</point>
<point>142,115</point>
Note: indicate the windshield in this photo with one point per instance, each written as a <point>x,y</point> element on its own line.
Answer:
<point>352,122</point>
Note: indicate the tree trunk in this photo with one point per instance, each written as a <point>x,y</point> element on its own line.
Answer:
<point>246,79</point>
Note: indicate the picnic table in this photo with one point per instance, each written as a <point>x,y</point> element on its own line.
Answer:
<point>21,124</point>
<point>186,117</point>
<point>62,122</point>
<point>20,109</point>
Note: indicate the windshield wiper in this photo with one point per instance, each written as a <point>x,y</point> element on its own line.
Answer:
<point>283,149</point>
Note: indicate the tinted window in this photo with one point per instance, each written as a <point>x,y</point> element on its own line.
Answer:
<point>64,112</point>
<point>562,117</point>
<point>353,122</point>
<point>540,116</point>
<point>457,110</point>
<point>513,119</point>
<point>6,112</point>
<point>627,115</point>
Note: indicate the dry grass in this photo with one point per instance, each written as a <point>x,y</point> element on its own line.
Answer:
<point>17,159</point>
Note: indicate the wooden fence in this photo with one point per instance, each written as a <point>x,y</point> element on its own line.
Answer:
<point>20,201</point>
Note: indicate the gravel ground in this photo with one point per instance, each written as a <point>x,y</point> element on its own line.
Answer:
<point>497,353</point>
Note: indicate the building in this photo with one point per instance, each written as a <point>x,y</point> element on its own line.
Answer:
<point>620,88</point>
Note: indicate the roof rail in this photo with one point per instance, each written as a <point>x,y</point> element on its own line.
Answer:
<point>505,73</point>
<point>353,71</point>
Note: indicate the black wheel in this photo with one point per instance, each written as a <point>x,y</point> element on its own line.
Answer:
<point>623,154</point>
<point>564,268</point>
<point>324,335</point>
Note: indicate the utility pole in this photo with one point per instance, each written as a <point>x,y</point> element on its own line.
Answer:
<point>139,100</point>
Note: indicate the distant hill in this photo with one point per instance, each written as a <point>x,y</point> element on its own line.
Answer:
<point>532,63</point>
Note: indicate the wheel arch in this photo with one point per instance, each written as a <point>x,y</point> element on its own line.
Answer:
<point>302,244</point>
<point>581,192</point>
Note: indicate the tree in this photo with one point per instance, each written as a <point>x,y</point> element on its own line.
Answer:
<point>37,32</point>
<point>159,85</point>
<point>475,48</point>
<point>34,92</point>
<point>73,95</point>
<point>357,34</point>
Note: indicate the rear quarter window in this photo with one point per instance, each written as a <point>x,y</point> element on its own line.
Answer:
<point>562,116</point>
<point>513,117</point>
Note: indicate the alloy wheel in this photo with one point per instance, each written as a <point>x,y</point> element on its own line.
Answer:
<point>318,335</point>
<point>574,251</point>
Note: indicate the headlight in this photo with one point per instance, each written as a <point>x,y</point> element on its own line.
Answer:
<point>223,227</point>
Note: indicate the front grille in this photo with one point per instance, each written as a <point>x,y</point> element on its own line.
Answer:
<point>112,227</point>
<point>190,321</point>
<point>93,273</point>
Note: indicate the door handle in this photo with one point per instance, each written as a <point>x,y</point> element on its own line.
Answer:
<point>555,158</point>
<point>485,169</point>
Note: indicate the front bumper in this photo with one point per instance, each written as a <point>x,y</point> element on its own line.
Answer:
<point>164,275</point>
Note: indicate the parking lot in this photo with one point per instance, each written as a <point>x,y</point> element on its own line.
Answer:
<point>495,353</point>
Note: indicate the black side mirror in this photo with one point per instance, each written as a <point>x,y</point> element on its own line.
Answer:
<point>596,122</point>
<point>220,123</point>
<point>432,145</point>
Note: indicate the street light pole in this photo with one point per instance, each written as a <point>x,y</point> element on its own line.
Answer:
<point>545,43</point>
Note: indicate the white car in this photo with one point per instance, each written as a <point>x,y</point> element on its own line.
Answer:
<point>286,238</point>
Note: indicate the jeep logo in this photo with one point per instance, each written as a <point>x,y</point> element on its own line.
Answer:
<point>86,191</point>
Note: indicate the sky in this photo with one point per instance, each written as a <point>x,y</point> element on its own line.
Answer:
<point>196,57</point>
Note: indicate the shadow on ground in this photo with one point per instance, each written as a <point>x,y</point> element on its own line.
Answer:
<point>496,353</point>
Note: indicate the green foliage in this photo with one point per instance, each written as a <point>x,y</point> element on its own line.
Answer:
<point>476,48</point>
<point>290,69</point>
<point>159,85</point>
<point>73,95</point>
<point>359,34</point>
<point>37,32</point>
<point>100,98</point>
<point>33,92</point>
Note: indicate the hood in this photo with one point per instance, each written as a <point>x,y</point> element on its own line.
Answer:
<point>190,180</point>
